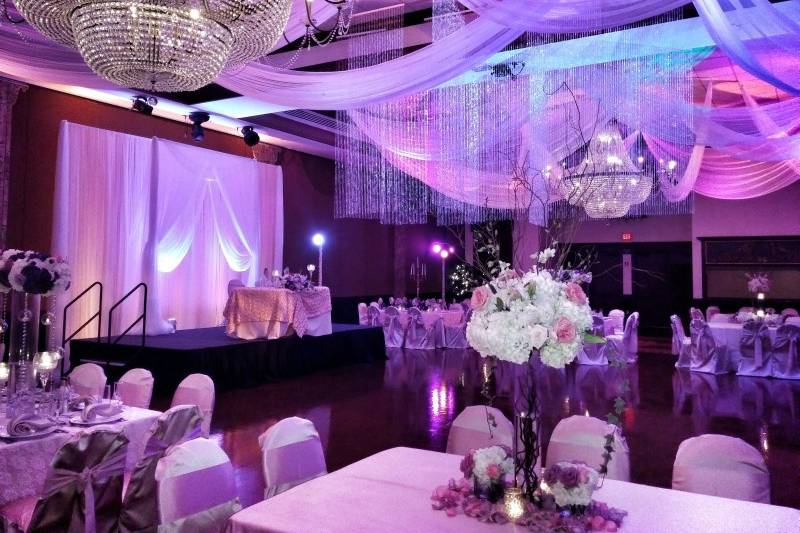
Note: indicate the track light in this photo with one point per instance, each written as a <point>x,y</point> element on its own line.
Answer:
<point>198,118</point>
<point>144,104</point>
<point>251,138</point>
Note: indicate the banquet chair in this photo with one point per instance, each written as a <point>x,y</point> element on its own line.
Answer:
<point>88,379</point>
<point>292,454</point>
<point>789,311</point>
<point>627,343</point>
<point>140,504</point>
<point>720,318</point>
<point>681,344</point>
<point>792,320</point>
<point>617,320</point>
<point>363,319</point>
<point>234,284</point>
<point>393,331</point>
<point>135,388</point>
<point>707,356</point>
<point>785,363</point>
<point>420,333</point>
<point>594,353</point>
<point>196,488</point>
<point>82,490</point>
<point>711,310</point>
<point>755,347</point>
<point>745,309</point>
<point>723,466</point>
<point>455,307</point>
<point>373,315</point>
<point>479,426</point>
<point>197,389</point>
<point>696,314</point>
<point>582,438</point>
<point>455,336</point>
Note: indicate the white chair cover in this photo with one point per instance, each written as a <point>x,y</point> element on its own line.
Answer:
<point>363,319</point>
<point>420,334</point>
<point>88,379</point>
<point>711,311</point>
<point>582,438</point>
<point>196,488</point>
<point>234,284</point>
<point>82,491</point>
<point>720,318</point>
<point>706,355</point>
<point>719,465</point>
<point>785,363</point>
<point>696,314</point>
<point>789,311</point>
<point>455,337</point>
<point>291,455</point>
<point>455,307</point>
<point>373,315</point>
<point>479,426</point>
<point>393,332</point>
<point>745,309</point>
<point>793,321</point>
<point>627,343</point>
<point>681,344</point>
<point>197,389</point>
<point>135,388</point>
<point>592,354</point>
<point>756,350</point>
<point>617,320</point>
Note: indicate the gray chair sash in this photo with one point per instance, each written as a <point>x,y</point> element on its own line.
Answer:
<point>83,489</point>
<point>755,342</point>
<point>786,341</point>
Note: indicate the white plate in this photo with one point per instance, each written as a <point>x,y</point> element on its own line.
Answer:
<point>77,420</point>
<point>4,434</point>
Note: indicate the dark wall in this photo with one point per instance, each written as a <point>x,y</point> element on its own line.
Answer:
<point>359,255</point>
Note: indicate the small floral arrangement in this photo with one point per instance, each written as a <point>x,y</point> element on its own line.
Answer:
<point>758,282</point>
<point>570,484</point>
<point>515,314</point>
<point>488,467</point>
<point>294,281</point>
<point>33,273</point>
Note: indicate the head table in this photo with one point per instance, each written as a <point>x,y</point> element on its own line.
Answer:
<point>390,492</point>
<point>24,463</point>
<point>271,313</point>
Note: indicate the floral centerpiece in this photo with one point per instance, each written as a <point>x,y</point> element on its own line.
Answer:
<point>33,273</point>
<point>488,469</point>
<point>294,281</point>
<point>570,483</point>
<point>758,282</point>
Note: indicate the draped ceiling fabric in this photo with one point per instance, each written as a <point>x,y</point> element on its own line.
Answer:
<point>183,219</point>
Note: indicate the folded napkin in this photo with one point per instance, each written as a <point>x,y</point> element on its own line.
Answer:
<point>81,402</point>
<point>100,410</point>
<point>27,425</point>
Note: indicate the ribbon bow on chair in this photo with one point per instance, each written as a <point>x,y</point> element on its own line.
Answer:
<point>755,336</point>
<point>787,339</point>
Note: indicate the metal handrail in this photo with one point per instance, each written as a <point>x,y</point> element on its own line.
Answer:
<point>98,315</point>
<point>142,317</point>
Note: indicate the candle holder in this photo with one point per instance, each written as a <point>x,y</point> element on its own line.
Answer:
<point>513,503</point>
<point>419,273</point>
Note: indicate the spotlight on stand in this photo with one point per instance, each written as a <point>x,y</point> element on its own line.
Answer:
<point>251,138</point>
<point>198,118</point>
<point>318,240</point>
<point>144,104</point>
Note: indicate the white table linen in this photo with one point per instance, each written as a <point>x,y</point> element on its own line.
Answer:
<point>390,492</point>
<point>730,334</point>
<point>24,463</point>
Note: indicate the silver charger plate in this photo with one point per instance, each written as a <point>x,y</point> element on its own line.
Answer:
<point>49,431</point>
<point>77,420</point>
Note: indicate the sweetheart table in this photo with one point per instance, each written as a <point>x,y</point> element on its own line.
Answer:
<point>24,463</point>
<point>271,313</point>
<point>390,492</point>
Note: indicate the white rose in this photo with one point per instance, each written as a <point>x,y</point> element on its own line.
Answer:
<point>538,336</point>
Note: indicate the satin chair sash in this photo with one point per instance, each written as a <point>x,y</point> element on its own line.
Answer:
<point>194,492</point>
<point>786,341</point>
<point>755,338</point>
<point>295,462</point>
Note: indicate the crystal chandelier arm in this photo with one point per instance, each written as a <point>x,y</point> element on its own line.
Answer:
<point>310,19</point>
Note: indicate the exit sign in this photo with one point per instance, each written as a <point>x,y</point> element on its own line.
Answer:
<point>627,236</point>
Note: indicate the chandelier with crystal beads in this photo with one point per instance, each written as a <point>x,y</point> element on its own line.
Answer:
<point>606,183</point>
<point>161,45</point>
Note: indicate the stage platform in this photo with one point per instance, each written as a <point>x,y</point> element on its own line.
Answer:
<point>231,363</point>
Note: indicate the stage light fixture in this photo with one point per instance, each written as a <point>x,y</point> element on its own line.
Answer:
<point>144,104</point>
<point>251,138</point>
<point>198,118</point>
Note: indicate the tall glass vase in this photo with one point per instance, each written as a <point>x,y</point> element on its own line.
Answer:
<point>23,345</point>
<point>527,425</point>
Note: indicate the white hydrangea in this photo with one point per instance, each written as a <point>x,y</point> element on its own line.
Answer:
<point>485,457</point>
<point>579,495</point>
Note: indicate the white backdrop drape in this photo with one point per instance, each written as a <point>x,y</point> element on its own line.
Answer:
<point>183,219</point>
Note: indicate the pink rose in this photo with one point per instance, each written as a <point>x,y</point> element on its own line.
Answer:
<point>480,297</point>
<point>508,275</point>
<point>493,471</point>
<point>565,330</point>
<point>575,294</point>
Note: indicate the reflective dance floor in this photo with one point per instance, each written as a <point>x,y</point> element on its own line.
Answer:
<point>412,398</point>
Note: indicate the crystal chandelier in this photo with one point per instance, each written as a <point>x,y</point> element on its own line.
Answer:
<point>606,183</point>
<point>339,28</point>
<point>161,45</point>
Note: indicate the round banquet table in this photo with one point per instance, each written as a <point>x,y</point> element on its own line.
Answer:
<point>729,334</point>
<point>450,317</point>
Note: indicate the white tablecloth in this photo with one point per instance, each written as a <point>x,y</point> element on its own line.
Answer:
<point>24,463</point>
<point>729,334</point>
<point>390,493</point>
